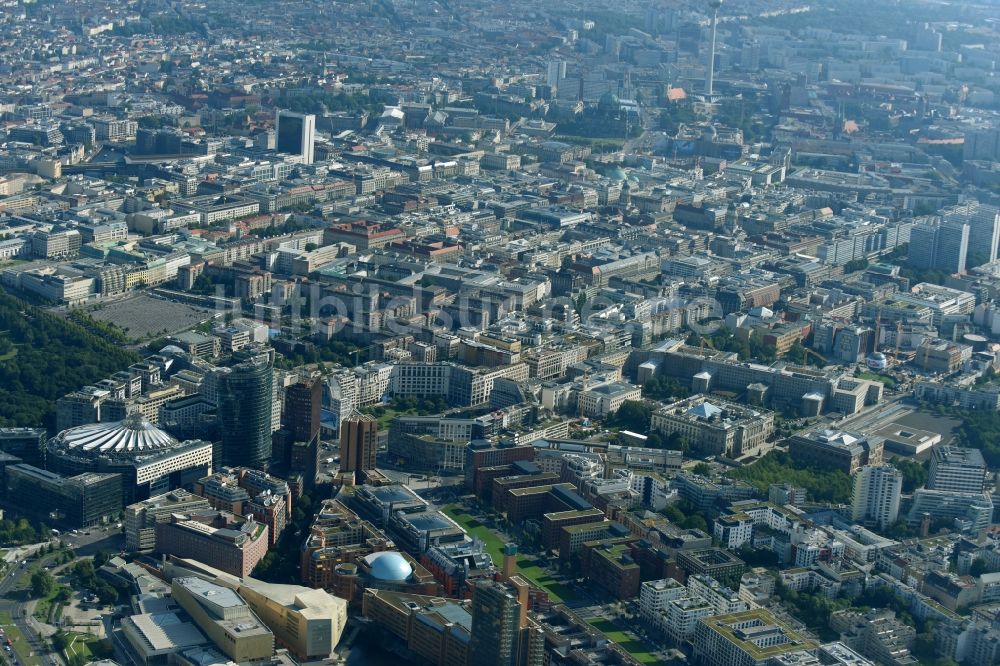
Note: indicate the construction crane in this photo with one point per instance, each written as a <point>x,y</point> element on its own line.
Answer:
<point>899,340</point>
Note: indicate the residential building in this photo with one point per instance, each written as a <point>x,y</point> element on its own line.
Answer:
<point>941,247</point>
<point>971,512</point>
<point>876,495</point>
<point>750,638</point>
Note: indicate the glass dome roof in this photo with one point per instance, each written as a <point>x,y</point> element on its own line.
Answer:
<point>389,565</point>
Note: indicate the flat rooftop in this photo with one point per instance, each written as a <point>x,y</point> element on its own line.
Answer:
<point>217,595</point>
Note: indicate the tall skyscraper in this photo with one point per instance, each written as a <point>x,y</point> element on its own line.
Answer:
<point>245,402</point>
<point>984,230</point>
<point>502,634</point>
<point>296,134</point>
<point>302,409</point>
<point>957,469</point>
<point>555,72</point>
<point>301,420</point>
<point>940,247</point>
<point>876,495</point>
<point>358,444</point>
<point>713,5</point>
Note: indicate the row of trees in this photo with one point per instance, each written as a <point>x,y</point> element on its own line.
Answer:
<point>21,531</point>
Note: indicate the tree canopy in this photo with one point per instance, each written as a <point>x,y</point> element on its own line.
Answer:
<point>54,357</point>
<point>632,415</point>
<point>981,430</point>
<point>778,467</point>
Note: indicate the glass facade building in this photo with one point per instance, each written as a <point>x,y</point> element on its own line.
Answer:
<point>83,500</point>
<point>245,401</point>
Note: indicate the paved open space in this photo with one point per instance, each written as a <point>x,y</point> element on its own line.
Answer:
<point>83,617</point>
<point>144,316</point>
<point>945,425</point>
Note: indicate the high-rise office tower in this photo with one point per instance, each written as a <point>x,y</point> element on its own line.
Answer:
<point>940,247</point>
<point>957,469</point>
<point>555,72</point>
<point>302,409</point>
<point>358,444</point>
<point>876,495</point>
<point>245,402</point>
<point>296,134</point>
<point>713,5</point>
<point>502,634</point>
<point>984,230</point>
<point>301,420</point>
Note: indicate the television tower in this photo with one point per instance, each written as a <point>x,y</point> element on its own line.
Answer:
<point>710,78</point>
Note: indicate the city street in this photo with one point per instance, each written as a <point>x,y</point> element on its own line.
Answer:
<point>10,604</point>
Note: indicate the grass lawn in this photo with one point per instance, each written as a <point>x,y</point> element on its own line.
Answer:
<point>83,644</point>
<point>635,648</point>
<point>21,646</point>
<point>558,592</point>
<point>385,420</point>
<point>875,377</point>
<point>494,546</point>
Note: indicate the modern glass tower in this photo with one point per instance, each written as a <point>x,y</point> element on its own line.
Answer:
<point>245,401</point>
<point>296,134</point>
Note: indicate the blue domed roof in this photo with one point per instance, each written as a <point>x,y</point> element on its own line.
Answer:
<point>389,565</point>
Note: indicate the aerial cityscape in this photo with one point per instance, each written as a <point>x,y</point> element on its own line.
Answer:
<point>474,333</point>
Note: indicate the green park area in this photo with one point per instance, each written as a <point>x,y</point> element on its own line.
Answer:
<point>875,377</point>
<point>558,592</point>
<point>634,647</point>
<point>81,648</point>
